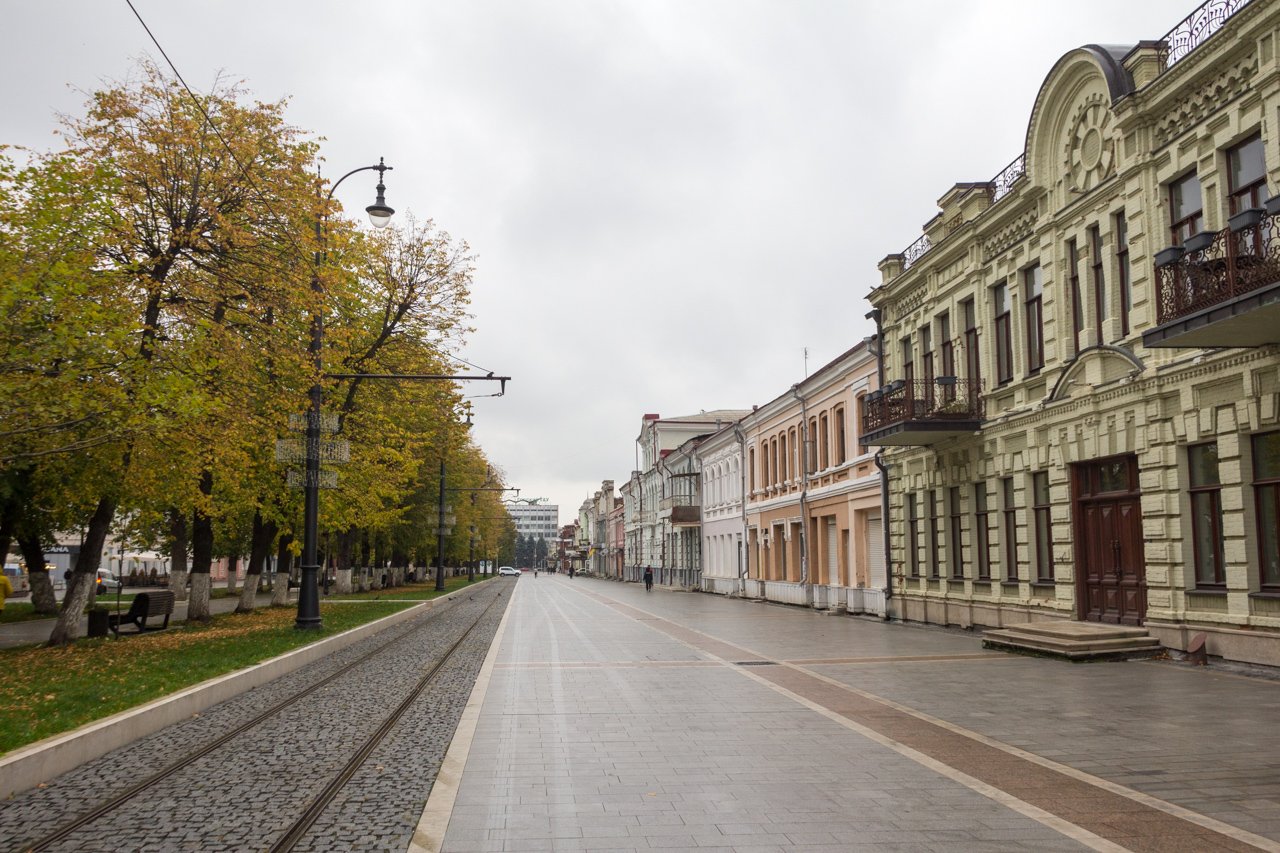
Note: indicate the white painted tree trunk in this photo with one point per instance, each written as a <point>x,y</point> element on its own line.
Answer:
<point>198,609</point>
<point>178,584</point>
<point>343,585</point>
<point>249,593</point>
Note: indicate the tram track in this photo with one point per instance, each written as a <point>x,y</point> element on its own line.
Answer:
<point>298,829</point>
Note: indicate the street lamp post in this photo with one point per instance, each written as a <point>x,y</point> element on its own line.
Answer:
<point>308,590</point>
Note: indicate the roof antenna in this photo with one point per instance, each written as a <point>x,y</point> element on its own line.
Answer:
<point>806,362</point>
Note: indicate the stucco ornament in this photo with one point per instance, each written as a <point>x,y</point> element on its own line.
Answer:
<point>1090,150</point>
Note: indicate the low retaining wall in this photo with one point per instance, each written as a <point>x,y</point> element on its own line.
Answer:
<point>28,766</point>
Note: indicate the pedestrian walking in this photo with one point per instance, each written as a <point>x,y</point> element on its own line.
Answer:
<point>648,579</point>
<point>535,572</point>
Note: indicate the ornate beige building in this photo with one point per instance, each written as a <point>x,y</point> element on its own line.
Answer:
<point>1081,422</point>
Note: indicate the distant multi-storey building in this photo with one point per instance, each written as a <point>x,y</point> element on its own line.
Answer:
<point>536,520</point>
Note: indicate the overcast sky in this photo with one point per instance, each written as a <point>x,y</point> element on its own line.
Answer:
<point>669,200</point>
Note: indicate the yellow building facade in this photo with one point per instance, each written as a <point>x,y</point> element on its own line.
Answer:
<point>1081,419</point>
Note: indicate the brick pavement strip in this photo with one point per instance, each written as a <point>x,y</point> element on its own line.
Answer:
<point>1107,814</point>
<point>244,795</point>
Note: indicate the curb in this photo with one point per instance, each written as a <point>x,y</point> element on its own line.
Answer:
<point>28,766</point>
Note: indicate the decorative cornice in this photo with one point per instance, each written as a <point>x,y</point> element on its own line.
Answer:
<point>1015,232</point>
<point>1205,99</point>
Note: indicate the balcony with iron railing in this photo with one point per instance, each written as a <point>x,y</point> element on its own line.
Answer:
<point>1221,288</point>
<point>683,510</point>
<point>922,412</point>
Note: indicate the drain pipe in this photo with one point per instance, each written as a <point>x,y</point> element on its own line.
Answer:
<point>744,553</point>
<point>875,314</point>
<point>804,484</point>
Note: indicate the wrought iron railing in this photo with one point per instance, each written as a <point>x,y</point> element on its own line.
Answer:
<point>679,500</point>
<point>1000,185</point>
<point>1198,26</point>
<point>915,251</point>
<point>942,399</point>
<point>1003,182</point>
<point>1234,262</point>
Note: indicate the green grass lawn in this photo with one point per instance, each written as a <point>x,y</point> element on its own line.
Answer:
<point>46,691</point>
<point>23,611</point>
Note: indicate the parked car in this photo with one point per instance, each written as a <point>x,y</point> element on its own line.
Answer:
<point>107,582</point>
<point>17,579</point>
<point>508,570</point>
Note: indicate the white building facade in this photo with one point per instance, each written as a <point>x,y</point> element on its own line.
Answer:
<point>719,462</point>
<point>537,520</point>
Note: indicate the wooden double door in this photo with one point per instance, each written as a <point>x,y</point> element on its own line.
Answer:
<point>1111,583</point>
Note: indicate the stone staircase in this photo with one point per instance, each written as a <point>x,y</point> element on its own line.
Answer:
<point>1075,641</point>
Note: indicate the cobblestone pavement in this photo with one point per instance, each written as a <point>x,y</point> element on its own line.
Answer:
<point>247,793</point>
<point>620,720</point>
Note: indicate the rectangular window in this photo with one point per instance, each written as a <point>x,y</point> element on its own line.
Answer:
<point>955,554</point>
<point>1122,265</point>
<point>824,443</point>
<point>935,535</point>
<point>908,363</point>
<point>1034,293</point>
<point>1266,494</point>
<point>1004,335</point>
<point>926,348</point>
<point>840,451</point>
<point>913,536</point>
<point>1186,216</point>
<point>1099,281</point>
<point>1247,175</point>
<point>1206,514</point>
<point>785,470</point>
<point>773,468</point>
<point>1044,527</point>
<point>1010,531</point>
<point>982,527</point>
<point>973,365</point>
<point>752,467</point>
<point>1073,281</point>
<point>948,354</point>
<point>795,460</point>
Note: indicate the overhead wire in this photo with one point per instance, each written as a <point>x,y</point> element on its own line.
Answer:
<point>244,171</point>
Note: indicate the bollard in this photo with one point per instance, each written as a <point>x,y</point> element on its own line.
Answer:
<point>1196,652</point>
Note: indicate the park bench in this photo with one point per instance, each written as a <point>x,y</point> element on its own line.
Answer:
<point>145,605</point>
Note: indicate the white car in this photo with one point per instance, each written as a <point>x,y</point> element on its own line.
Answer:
<point>508,570</point>
<point>107,582</point>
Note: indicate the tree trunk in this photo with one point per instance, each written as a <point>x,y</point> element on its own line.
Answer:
<point>264,533</point>
<point>346,539</point>
<point>178,554</point>
<point>6,531</point>
<point>201,556</point>
<point>284,562</point>
<point>233,567</point>
<point>198,608</point>
<point>42,598</point>
<point>85,576</point>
